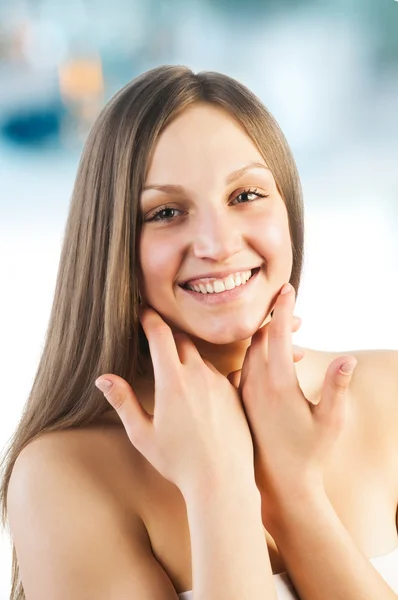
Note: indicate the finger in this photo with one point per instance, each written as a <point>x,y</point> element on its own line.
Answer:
<point>280,349</point>
<point>262,339</point>
<point>298,353</point>
<point>331,408</point>
<point>210,365</point>
<point>137,422</point>
<point>186,349</point>
<point>164,354</point>
<point>297,322</point>
<point>234,378</point>
<point>249,360</point>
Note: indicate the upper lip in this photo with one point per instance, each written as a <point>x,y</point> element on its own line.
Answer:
<point>218,274</point>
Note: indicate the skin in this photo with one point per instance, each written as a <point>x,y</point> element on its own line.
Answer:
<point>209,231</point>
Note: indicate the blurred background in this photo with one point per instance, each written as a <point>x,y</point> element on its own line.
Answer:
<point>328,71</point>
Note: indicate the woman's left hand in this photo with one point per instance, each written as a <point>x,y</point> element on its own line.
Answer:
<point>291,436</point>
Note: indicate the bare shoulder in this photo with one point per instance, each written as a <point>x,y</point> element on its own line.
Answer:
<point>373,394</point>
<point>376,371</point>
<point>75,522</point>
<point>375,385</point>
<point>90,452</point>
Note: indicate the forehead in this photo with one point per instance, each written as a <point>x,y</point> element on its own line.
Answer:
<point>203,141</point>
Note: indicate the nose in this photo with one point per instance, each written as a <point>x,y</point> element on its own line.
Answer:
<point>216,237</point>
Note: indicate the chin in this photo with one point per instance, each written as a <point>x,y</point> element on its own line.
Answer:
<point>228,335</point>
<point>229,339</point>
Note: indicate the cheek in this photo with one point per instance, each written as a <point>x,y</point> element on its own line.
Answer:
<point>274,238</point>
<point>159,263</point>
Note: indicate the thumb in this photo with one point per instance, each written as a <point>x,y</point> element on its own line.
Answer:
<point>234,378</point>
<point>331,408</point>
<point>137,422</point>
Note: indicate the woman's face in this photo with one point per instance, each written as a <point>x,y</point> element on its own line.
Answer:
<point>211,209</point>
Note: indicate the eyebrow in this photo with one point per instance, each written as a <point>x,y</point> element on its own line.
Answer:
<point>178,189</point>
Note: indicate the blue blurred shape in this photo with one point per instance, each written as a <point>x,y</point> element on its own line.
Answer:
<point>34,126</point>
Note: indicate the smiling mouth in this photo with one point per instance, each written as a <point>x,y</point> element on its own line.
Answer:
<point>218,286</point>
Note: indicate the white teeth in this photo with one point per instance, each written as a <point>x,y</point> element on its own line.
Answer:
<point>230,283</point>
<point>209,288</point>
<point>239,280</point>
<point>220,285</point>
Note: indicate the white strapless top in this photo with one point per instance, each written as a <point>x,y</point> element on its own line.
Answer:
<point>386,565</point>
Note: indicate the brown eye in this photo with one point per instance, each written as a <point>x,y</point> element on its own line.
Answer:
<point>163,214</point>
<point>248,196</point>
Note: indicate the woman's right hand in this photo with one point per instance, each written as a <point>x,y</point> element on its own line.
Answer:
<point>198,432</point>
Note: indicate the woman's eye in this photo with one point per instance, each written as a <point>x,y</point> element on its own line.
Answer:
<point>164,213</point>
<point>167,213</point>
<point>248,196</point>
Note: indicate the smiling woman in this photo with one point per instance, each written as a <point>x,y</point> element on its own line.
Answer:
<point>211,208</point>
<point>185,226</point>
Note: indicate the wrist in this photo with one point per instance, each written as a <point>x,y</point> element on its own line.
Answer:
<point>214,486</point>
<point>293,505</point>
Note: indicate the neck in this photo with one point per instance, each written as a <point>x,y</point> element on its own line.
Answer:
<point>224,357</point>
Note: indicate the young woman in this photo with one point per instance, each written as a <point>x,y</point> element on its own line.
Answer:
<point>222,459</point>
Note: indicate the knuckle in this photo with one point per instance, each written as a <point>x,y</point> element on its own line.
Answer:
<point>161,329</point>
<point>277,330</point>
<point>339,385</point>
<point>277,335</point>
<point>280,389</point>
<point>136,435</point>
<point>117,400</point>
<point>339,390</point>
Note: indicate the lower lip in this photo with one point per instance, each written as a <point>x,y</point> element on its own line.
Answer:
<point>227,296</point>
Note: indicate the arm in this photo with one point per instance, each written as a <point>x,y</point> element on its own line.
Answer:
<point>317,549</point>
<point>70,539</point>
<point>229,551</point>
<point>198,438</point>
<point>292,438</point>
<point>72,542</point>
<point>320,556</point>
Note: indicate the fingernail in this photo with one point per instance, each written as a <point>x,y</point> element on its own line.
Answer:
<point>348,367</point>
<point>104,385</point>
<point>286,288</point>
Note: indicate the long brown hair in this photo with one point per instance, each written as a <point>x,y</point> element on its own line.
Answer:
<point>93,326</point>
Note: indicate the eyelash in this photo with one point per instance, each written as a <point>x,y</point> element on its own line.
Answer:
<point>155,218</point>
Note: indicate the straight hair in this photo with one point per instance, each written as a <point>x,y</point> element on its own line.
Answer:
<point>93,325</point>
